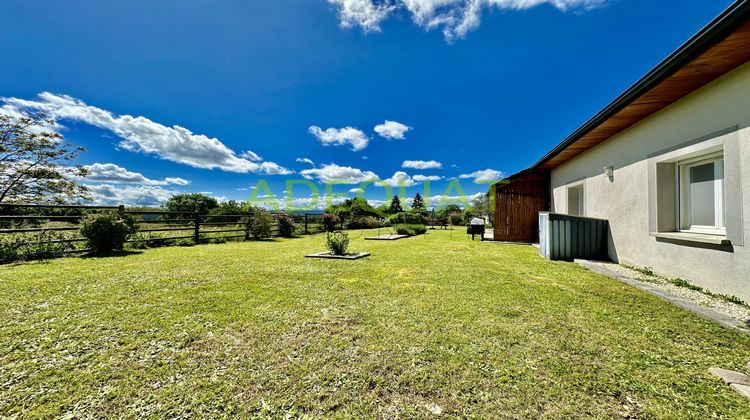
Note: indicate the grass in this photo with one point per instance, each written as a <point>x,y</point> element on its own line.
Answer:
<point>431,324</point>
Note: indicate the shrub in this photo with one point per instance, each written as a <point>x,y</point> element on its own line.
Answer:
<point>261,224</point>
<point>363,222</point>
<point>105,232</point>
<point>22,247</point>
<point>409,218</point>
<point>337,242</point>
<point>456,219</point>
<point>286,225</point>
<point>330,222</point>
<point>411,230</point>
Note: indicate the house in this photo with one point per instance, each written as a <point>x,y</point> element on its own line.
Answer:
<point>667,164</point>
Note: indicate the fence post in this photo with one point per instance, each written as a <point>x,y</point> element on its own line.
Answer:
<point>197,232</point>
<point>306,231</point>
<point>121,210</point>
<point>247,224</point>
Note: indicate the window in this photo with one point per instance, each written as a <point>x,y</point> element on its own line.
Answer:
<point>575,200</point>
<point>701,195</point>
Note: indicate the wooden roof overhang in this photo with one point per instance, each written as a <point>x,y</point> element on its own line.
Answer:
<point>717,49</point>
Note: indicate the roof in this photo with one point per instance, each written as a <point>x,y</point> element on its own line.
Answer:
<point>720,47</point>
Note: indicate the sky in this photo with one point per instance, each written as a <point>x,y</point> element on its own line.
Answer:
<point>252,98</point>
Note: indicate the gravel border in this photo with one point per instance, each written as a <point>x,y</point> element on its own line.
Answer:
<point>726,313</point>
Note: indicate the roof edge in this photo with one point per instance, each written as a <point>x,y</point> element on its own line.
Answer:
<point>718,29</point>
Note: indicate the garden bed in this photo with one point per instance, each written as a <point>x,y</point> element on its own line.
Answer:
<point>330,256</point>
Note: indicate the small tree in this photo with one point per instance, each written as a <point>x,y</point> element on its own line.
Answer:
<point>34,162</point>
<point>396,205</point>
<point>418,203</point>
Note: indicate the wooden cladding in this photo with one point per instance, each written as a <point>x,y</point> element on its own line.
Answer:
<point>517,207</point>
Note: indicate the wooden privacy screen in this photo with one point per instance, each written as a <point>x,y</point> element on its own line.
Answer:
<point>517,207</point>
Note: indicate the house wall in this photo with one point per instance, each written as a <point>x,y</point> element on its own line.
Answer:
<point>715,116</point>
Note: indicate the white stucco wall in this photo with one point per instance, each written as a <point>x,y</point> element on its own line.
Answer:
<point>720,107</point>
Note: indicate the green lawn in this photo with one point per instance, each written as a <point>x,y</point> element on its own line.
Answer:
<point>426,325</point>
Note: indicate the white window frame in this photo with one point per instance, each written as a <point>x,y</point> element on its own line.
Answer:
<point>581,199</point>
<point>683,195</point>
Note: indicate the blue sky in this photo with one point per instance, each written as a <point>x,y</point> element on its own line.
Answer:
<point>481,91</point>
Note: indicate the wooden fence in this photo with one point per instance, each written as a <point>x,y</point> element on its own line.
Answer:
<point>154,225</point>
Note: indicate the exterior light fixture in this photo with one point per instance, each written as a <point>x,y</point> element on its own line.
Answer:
<point>609,172</point>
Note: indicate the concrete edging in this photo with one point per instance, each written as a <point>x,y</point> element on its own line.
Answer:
<point>701,311</point>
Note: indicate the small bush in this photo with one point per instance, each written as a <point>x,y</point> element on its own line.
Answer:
<point>105,232</point>
<point>456,219</point>
<point>331,222</point>
<point>411,230</point>
<point>261,224</point>
<point>337,242</point>
<point>408,218</point>
<point>34,246</point>
<point>363,222</point>
<point>287,227</point>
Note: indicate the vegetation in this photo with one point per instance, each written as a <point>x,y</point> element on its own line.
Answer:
<point>395,207</point>
<point>411,230</point>
<point>331,222</point>
<point>226,211</point>
<point>363,222</point>
<point>253,329</point>
<point>418,204</point>
<point>287,227</point>
<point>261,224</point>
<point>190,203</point>
<point>337,242</point>
<point>35,162</point>
<point>353,207</point>
<point>106,232</point>
<point>35,246</point>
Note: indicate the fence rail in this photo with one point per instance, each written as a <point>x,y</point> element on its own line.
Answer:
<point>155,226</point>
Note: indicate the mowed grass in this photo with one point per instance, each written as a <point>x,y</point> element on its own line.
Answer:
<point>429,325</point>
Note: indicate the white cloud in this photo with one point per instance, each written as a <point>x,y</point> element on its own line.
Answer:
<point>114,174</point>
<point>128,195</point>
<point>341,136</point>
<point>362,13</point>
<point>455,18</point>
<point>306,160</point>
<point>339,174</point>
<point>392,130</point>
<point>400,179</point>
<point>356,191</point>
<point>139,134</point>
<point>484,176</point>
<point>423,178</point>
<point>422,164</point>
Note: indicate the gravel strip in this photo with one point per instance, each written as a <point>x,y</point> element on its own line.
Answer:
<point>732,310</point>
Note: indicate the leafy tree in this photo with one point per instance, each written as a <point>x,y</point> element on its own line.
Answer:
<point>396,205</point>
<point>444,212</point>
<point>189,203</point>
<point>34,162</point>
<point>418,203</point>
<point>357,206</point>
<point>227,211</point>
<point>481,206</point>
